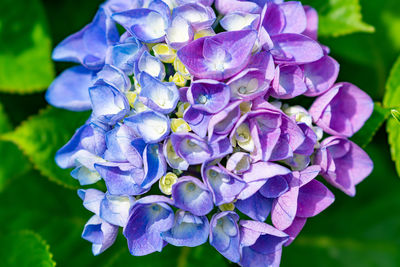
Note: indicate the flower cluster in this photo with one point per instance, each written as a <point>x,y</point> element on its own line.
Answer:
<point>196,127</point>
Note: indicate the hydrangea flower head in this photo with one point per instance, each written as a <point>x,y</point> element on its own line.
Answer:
<point>198,129</point>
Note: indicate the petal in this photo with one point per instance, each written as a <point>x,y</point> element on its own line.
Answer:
<point>191,195</point>
<point>237,46</point>
<point>291,83</point>
<point>115,209</point>
<point>70,90</point>
<point>342,110</point>
<point>145,24</point>
<point>191,148</point>
<point>188,230</point>
<point>147,220</point>
<point>320,75</point>
<point>224,235</point>
<point>224,186</point>
<point>100,233</point>
<point>88,46</point>
<point>256,207</point>
<point>91,199</point>
<point>159,96</point>
<point>208,95</point>
<point>108,103</point>
<point>314,197</point>
<point>290,48</point>
<point>152,126</point>
<point>121,178</point>
<point>154,165</point>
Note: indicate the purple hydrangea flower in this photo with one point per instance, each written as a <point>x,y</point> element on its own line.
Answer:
<point>200,106</point>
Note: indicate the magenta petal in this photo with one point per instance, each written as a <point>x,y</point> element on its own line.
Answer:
<point>314,197</point>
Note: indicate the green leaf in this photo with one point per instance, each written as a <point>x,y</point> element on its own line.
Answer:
<point>396,114</point>
<point>339,17</point>
<point>42,135</point>
<point>14,163</point>
<point>392,94</point>
<point>355,232</point>
<point>368,131</point>
<point>25,248</point>
<point>25,47</point>
<point>393,129</point>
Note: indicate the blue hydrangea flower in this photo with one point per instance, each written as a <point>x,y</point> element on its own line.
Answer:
<point>199,105</point>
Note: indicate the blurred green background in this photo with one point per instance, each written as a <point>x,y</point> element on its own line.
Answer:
<point>42,218</point>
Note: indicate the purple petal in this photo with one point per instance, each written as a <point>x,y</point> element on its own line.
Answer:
<point>343,163</point>
<point>320,75</point>
<point>290,48</point>
<point>312,22</point>
<point>229,6</point>
<point>294,229</point>
<point>208,95</point>
<point>191,148</point>
<point>342,110</point>
<point>218,57</point>
<point>291,83</point>
<point>224,186</point>
<point>314,197</point>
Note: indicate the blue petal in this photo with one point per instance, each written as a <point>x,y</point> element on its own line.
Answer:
<point>108,103</point>
<point>188,230</point>
<point>151,65</point>
<point>157,95</point>
<point>145,24</point>
<point>115,209</point>
<point>91,199</point>
<point>256,207</point>
<point>86,142</point>
<point>192,195</point>
<point>85,176</point>
<point>119,146</point>
<point>154,165</point>
<point>70,90</point>
<point>100,233</point>
<point>121,178</point>
<point>224,235</point>
<point>115,77</point>
<point>124,56</point>
<point>88,46</point>
<point>152,126</point>
<point>146,222</point>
